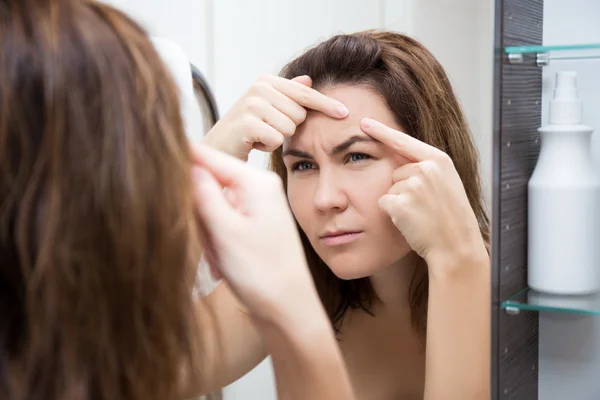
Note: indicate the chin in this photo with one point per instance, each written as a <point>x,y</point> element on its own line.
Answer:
<point>348,267</point>
<point>362,263</point>
<point>348,275</point>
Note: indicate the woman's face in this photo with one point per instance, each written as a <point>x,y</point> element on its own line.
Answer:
<point>336,175</point>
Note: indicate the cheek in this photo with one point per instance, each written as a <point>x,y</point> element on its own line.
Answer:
<point>374,182</point>
<point>300,200</point>
<point>365,199</point>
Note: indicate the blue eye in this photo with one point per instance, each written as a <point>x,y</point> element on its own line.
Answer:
<point>357,157</point>
<point>302,166</point>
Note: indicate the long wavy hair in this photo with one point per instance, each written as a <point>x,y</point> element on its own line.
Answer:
<point>418,92</point>
<point>97,226</point>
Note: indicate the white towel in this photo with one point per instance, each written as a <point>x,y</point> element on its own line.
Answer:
<point>179,66</point>
<point>181,71</point>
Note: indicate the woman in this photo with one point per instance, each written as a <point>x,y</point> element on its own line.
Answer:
<point>390,211</point>
<point>100,218</point>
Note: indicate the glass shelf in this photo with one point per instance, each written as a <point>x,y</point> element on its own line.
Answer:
<point>531,300</point>
<point>544,54</point>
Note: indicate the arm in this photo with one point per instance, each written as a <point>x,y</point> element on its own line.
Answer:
<point>306,357</point>
<point>429,205</point>
<point>231,346</point>
<point>458,328</point>
<point>267,113</point>
<point>267,271</point>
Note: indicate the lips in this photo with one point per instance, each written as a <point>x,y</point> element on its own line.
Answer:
<point>335,238</point>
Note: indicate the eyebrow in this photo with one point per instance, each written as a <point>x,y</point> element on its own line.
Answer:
<point>336,150</point>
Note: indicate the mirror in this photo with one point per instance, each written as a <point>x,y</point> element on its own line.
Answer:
<point>233,43</point>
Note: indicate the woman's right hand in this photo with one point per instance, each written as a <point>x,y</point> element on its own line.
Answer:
<point>250,237</point>
<point>269,112</point>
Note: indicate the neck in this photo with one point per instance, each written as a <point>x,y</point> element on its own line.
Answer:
<point>392,284</point>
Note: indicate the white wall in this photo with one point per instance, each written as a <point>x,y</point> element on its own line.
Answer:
<point>185,22</point>
<point>570,345</point>
<point>233,42</point>
<point>270,33</point>
<point>253,38</point>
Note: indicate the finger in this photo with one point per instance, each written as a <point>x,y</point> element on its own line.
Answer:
<point>265,137</point>
<point>396,188</point>
<point>227,170</point>
<point>406,171</point>
<point>405,144</point>
<point>310,98</point>
<point>303,79</point>
<point>397,206</point>
<point>388,203</point>
<point>207,191</point>
<point>287,106</point>
<point>233,174</point>
<point>403,186</point>
<point>279,121</point>
<point>213,208</point>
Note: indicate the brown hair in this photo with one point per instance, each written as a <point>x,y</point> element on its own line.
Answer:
<point>418,92</point>
<point>96,209</point>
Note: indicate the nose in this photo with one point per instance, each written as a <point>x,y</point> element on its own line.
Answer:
<point>330,195</point>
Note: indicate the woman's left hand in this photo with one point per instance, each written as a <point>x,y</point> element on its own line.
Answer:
<point>427,201</point>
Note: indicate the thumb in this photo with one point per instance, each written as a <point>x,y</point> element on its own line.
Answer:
<point>213,207</point>
<point>386,203</point>
<point>303,79</point>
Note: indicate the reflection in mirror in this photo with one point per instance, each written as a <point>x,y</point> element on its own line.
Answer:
<point>383,268</point>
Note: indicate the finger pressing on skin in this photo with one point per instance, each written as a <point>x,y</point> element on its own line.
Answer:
<point>395,189</point>
<point>387,203</point>
<point>404,144</point>
<point>406,171</point>
<point>310,98</point>
<point>279,121</point>
<point>287,106</point>
<point>303,79</point>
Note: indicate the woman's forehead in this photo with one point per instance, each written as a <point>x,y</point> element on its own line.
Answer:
<point>361,102</point>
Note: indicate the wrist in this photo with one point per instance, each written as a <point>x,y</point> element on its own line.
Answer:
<point>461,260</point>
<point>211,138</point>
<point>301,330</point>
<point>219,139</point>
<point>302,316</point>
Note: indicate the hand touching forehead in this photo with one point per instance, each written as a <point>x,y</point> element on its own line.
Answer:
<point>322,134</point>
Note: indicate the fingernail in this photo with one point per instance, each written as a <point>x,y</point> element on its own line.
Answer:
<point>342,111</point>
<point>366,122</point>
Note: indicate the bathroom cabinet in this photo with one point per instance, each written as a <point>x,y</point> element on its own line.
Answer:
<point>536,337</point>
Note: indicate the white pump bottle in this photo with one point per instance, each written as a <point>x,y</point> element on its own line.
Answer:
<point>564,201</point>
